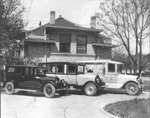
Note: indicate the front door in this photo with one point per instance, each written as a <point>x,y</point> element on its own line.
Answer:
<point>110,75</point>
<point>28,80</point>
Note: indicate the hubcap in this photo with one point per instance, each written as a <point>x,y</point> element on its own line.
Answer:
<point>90,89</point>
<point>48,90</point>
<point>9,87</point>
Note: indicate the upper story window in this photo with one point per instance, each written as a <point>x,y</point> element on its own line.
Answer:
<point>81,44</point>
<point>65,41</point>
<point>48,37</point>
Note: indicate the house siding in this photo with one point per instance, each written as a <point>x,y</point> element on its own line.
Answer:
<point>50,51</point>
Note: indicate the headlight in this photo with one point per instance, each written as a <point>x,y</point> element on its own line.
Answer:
<point>64,82</point>
<point>139,80</point>
<point>57,80</point>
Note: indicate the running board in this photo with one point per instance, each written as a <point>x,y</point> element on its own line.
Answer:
<point>28,90</point>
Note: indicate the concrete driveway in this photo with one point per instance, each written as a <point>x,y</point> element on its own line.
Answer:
<point>73,105</point>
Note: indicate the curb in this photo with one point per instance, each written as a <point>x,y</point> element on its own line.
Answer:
<point>109,114</point>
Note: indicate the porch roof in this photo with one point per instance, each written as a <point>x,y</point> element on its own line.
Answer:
<point>104,45</point>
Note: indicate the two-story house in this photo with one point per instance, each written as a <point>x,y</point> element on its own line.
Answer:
<point>62,40</point>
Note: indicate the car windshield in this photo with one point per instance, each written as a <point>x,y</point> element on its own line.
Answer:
<point>40,71</point>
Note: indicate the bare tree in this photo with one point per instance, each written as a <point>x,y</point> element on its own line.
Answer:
<point>11,26</point>
<point>127,21</point>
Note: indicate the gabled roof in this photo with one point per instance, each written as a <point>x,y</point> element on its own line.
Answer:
<point>61,23</point>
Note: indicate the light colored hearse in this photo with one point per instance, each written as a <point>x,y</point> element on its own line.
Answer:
<point>111,73</point>
<point>76,76</point>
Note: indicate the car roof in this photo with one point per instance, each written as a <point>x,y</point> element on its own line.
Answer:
<point>61,63</point>
<point>99,61</point>
<point>24,66</point>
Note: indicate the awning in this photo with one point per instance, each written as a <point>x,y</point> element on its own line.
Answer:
<point>104,45</point>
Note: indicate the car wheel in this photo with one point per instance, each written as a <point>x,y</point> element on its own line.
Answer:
<point>62,93</point>
<point>90,89</point>
<point>49,90</point>
<point>132,88</point>
<point>9,88</point>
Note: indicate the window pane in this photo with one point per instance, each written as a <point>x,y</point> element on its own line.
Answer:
<point>51,68</point>
<point>18,71</point>
<point>60,69</point>
<point>119,68</point>
<point>81,49</point>
<point>81,39</point>
<point>64,47</point>
<point>111,67</point>
<point>81,44</point>
<point>71,69</point>
<point>80,69</point>
<point>65,38</point>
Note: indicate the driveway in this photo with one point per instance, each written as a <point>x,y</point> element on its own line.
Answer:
<point>73,105</point>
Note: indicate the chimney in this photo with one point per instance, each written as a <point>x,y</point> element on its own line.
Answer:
<point>93,22</point>
<point>52,17</point>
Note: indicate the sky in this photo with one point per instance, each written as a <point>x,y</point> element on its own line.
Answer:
<point>77,11</point>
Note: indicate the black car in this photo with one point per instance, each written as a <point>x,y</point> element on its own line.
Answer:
<point>32,79</point>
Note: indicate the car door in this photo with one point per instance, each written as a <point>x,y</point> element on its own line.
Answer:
<point>110,76</point>
<point>28,79</point>
<point>71,76</point>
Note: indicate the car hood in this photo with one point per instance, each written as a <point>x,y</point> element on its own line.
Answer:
<point>46,78</point>
<point>127,76</point>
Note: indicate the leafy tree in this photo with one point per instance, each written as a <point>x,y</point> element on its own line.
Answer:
<point>127,21</point>
<point>11,26</point>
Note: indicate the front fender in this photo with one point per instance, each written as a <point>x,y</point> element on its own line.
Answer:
<point>123,86</point>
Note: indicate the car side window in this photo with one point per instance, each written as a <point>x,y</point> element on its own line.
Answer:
<point>60,69</point>
<point>51,68</point>
<point>111,67</point>
<point>18,71</point>
<point>29,71</point>
<point>71,69</point>
<point>80,69</point>
<point>11,70</point>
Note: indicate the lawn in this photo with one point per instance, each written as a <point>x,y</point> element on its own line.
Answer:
<point>136,108</point>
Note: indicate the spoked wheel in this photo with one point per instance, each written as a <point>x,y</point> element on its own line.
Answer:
<point>49,90</point>
<point>90,89</point>
<point>132,88</point>
<point>9,88</point>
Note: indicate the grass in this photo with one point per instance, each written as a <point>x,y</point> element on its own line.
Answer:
<point>136,108</point>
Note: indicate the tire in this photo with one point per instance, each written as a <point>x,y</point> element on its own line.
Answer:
<point>132,88</point>
<point>9,88</point>
<point>62,93</point>
<point>49,90</point>
<point>90,89</point>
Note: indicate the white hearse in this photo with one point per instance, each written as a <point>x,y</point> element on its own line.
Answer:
<point>111,73</point>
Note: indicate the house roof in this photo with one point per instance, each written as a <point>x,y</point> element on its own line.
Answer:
<point>62,23</point>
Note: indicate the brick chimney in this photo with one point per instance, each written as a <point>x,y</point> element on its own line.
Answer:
<point>52,17</point>
<point>93,22</point>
